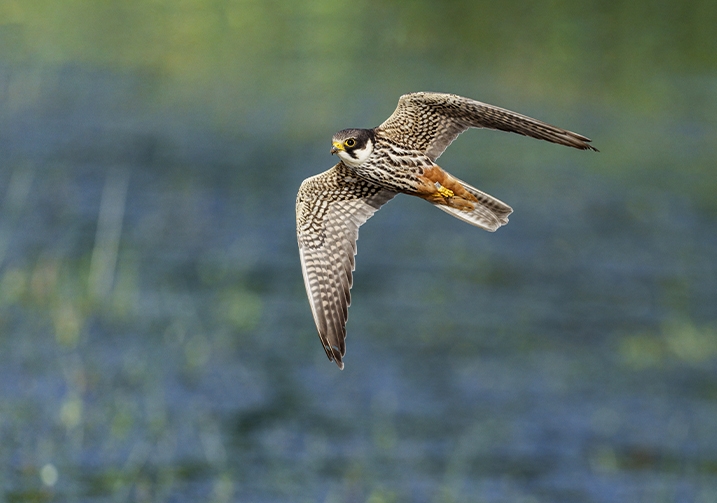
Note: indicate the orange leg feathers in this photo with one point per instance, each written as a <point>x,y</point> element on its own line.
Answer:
<point>439,187</point>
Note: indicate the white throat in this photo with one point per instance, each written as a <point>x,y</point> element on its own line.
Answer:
<point>361,155</point>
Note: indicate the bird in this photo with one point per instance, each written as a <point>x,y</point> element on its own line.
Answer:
<point>397,157</point>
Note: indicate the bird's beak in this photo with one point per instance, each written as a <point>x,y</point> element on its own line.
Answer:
<point>337,146</point>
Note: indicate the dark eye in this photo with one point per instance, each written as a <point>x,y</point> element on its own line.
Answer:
<point>350,142</point>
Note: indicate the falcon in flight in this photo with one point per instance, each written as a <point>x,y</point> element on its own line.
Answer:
<point>399,156</point>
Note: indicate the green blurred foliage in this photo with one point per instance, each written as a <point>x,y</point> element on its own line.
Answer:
<point>229,53</point>
<point>637,77</point>
<point>268,78</point>
<point>678,342</point>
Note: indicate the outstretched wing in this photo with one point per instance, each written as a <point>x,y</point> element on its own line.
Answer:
<point>429,122</point>
<point>330,208</point>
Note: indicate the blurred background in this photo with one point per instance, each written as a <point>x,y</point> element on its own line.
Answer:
<point>156,343</point>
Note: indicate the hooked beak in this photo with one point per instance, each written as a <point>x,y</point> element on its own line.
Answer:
<point>337,146</point>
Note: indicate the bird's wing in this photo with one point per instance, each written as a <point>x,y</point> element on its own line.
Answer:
<point>429,122</point>
<point>330,208</point>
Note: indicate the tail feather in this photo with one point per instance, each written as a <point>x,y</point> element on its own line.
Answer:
<point>486,212</point>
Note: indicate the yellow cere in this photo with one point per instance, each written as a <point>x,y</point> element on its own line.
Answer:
<point>338,145</point>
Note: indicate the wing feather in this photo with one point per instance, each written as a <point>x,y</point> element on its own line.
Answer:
<point>330,208</point>
<point>429,122</point>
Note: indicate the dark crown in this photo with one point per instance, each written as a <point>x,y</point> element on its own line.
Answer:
<point>362,136</point>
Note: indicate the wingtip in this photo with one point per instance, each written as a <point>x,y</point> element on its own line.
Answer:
<point>587,146</point>
<point>337,360</point>
<point>335,356</point>
<point>583,144</point>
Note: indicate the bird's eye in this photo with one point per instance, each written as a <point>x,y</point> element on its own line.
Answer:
<point>350,142</point>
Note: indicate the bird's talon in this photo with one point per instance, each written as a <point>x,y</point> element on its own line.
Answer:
<point>447,193</point>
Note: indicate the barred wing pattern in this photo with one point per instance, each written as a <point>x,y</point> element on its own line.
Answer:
<point>330,208</point>
<point>429,122</point>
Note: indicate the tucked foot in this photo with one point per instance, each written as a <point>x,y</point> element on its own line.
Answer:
<point>445,192</point>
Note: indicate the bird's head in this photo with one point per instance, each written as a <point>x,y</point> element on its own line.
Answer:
<point>353,146</point>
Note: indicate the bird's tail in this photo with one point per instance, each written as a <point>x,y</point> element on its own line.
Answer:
<point>481,210</point>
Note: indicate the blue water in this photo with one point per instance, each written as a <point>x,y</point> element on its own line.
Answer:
<point>571,356</point>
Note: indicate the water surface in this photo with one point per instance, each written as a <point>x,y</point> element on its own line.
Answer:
<point>155,339</point>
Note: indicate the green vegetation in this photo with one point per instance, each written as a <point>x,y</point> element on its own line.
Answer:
<point>155,339</point>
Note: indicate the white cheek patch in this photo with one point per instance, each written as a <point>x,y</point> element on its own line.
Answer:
<point>364,153</point>
<point>361,155</point>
